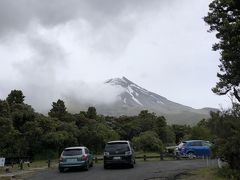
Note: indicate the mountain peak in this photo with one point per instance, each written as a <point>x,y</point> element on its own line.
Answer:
<point>124,82</point>
<point>134,98</point>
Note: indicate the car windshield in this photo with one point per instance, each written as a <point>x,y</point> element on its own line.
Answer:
<point>72,152</point>
<point>110,147</point>
<point>181,144</point>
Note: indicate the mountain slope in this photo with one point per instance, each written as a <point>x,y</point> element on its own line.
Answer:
<point>135,98</point>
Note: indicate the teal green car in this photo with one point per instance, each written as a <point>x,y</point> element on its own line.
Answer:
<point>75,157</point>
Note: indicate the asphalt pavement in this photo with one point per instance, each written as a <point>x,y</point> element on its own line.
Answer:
<point>149,170</point>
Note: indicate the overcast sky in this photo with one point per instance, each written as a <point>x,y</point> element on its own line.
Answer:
<point>68,48</point>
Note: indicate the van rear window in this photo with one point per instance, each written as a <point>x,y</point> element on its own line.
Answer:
<point>117,146</point>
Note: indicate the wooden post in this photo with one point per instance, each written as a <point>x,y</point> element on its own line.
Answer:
<point>96,160</point>
<point>21,164</point>
<point>161,155</point>
<point>49,163</point>
<point>144,157</point>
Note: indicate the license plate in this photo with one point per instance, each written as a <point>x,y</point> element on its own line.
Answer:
<point>71,160</point>
<point>116,158</point>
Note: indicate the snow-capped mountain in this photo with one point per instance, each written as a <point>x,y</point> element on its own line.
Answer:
<point>135,98</point>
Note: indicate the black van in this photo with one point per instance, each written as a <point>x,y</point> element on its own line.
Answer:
<point>119,153</point>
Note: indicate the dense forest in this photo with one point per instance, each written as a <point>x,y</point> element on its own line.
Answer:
<point>25,132</point>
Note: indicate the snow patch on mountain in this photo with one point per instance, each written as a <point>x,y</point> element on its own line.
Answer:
<point>134,98</point>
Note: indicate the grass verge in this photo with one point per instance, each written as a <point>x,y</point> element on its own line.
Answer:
<point>203,173</point>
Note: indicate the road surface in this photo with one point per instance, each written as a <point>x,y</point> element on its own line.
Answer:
<point>150,170</point>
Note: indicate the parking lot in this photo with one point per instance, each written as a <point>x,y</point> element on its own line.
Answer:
<point>142,171</point>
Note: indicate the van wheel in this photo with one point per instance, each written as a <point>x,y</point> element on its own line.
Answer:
<point>131,165</point>
<point>105,166</point>
<point>61,170</point>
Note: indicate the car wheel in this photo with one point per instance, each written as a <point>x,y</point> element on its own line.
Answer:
<point>86,167</point>
<point>61,170</point>
<point>105,166</point>
<point>191,155</point>
<point>131,165</point>
<point>91,165</point>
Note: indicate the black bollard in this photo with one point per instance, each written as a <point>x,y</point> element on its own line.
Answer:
<point>49,163</point>
<point>96,160</point>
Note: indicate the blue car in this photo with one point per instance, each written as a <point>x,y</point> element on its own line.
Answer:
<point>193,148</point>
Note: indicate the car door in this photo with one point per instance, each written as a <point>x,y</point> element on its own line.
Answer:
<point>206,148</point>
<point>197,148</point>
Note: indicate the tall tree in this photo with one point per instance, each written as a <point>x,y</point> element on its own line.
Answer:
<point>92,113</point>
<point>224,19</point>
<point>15,97</point>
<point>225,127</point>
<point>4,109</point>
<point>58,109</point>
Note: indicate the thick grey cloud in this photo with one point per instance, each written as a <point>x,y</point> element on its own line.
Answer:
<point>61,48</point>
<point>38,75</point>
<point>15,16</point>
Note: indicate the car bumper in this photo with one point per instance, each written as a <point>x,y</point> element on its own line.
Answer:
<point>71,165</point>
<point>180,154</point>
<point>111,160</point>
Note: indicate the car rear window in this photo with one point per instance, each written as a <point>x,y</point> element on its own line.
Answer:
<point>120,146</point>
<point>72,152</point>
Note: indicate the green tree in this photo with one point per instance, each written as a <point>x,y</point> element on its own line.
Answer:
<point>224,19</point>
<point>91,113</point>
<point>21,113</point>
<point>95,136</point>
<point>148,141</point>
<point>58,109</point>
<point>15,97</point>
<point>146,120</point>
<point>225,127</point>
<point>160,128</point>
<point>4,109</point>
<point>180,132</point>
<point>200,132</point>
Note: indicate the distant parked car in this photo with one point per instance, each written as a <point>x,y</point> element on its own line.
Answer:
<point>193,148</point>
<point>119,153</point>
<point>75,157</point>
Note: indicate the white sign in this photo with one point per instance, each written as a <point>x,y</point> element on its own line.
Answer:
<point>2,162</point>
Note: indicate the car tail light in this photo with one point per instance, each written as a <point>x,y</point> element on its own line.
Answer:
<point>84,158</point>
<point>128,153</point>
<point>106,153</point>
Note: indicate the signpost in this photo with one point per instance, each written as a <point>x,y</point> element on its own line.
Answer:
<point>2,162</point>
